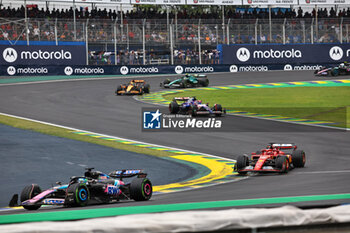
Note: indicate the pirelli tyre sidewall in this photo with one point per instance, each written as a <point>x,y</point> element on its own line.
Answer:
<point>141,189</point>
<point>174,107</point>
<point>298,158</point>
<point>29,192</point>
<point>119,88</point>
<point>282,164</point>
<point>77,195</point>
<point>242,162</point>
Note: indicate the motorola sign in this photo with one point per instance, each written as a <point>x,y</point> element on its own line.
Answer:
<point>243,54</point>
<point>179,69</point>
<point>336,53</point>
<point>124,70</point>
<point>42,55</point>
<point>9,55</point>
<point>298,54</point>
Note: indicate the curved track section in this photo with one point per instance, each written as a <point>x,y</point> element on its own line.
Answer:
<point>92,106</point>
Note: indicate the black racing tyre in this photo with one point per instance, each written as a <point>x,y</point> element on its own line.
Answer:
<point>334,72</point>
<point>166,81</point>
<point>77,194</point>
<point>194,110</point>
<point>147,88</point>
<point>183,84</point>
<point>141,189</point>
<point>141,91</point>
<point>119,88</point>
<point>174,107</point>
<point>217,107</point>
<point>29,192</point>
<point>282,164</point>
<point>242,162</point>
<point>298,158</point>
<point>203,82</point>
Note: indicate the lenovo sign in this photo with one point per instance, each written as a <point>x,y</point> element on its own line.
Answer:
<point>284,54</point>
<point>42,55</point>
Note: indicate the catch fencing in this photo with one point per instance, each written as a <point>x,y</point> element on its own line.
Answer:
<point>172,41</point>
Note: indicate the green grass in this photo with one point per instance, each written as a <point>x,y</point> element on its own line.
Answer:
<point>65,133</point>
<point>314,103</point>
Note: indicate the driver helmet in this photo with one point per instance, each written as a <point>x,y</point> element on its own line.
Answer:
<point>342,65</point>
<point>199,101</point>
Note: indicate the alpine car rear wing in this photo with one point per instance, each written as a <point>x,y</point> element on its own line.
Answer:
<point>127,173</point>
<point>182,98</point>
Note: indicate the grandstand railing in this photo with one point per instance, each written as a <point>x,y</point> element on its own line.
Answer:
<point>187,41</point>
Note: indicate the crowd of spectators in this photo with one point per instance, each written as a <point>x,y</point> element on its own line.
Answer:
<point>135,57</point>
<point>159,13</point>
<point>43,26</point>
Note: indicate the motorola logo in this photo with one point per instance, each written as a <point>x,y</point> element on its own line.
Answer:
<point>243,54</point>
<point>9,55</point>
<point>68,70</point>
<point>233,68</point>
<point>124,70</point>
<point>179,69</point>
<point>11,70</point>
<point>288,67</point>
<point>336,53</point>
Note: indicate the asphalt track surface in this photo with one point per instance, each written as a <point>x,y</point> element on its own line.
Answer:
<point>92,105</point>
<point>29,157</point>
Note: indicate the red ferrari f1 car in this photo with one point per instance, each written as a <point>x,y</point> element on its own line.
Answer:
<point>274,158</point>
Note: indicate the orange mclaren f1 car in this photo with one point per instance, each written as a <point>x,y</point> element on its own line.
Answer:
<point>134,87</point>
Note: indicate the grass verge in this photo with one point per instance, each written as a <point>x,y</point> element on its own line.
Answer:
<point>314,103</point>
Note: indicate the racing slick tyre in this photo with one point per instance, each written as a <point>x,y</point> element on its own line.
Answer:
<point>298,158</point>
<point>183,84</point>
<point>282,164</point>
<point>174,107</point>
<point>194,110</point>
<point>147,88</point>
<point>77,195</point>
<point>141,91</point>
<point>203,82</point>
<point>166,81</point>
<point>217,107</point>
<point>242,162</point>
<point>141,189</point>
<point>29,192</point>
<point>334,72</point>
<point>118,89</point>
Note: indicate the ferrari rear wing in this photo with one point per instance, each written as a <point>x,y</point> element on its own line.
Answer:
<point>283,145</point>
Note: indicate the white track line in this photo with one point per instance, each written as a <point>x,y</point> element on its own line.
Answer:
<point>155,145</point>
<point>115,137</point>
<point>80,79</point>
<point>323,172</point>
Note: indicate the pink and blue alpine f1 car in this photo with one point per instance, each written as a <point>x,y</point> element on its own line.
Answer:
<point>93,187</point>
